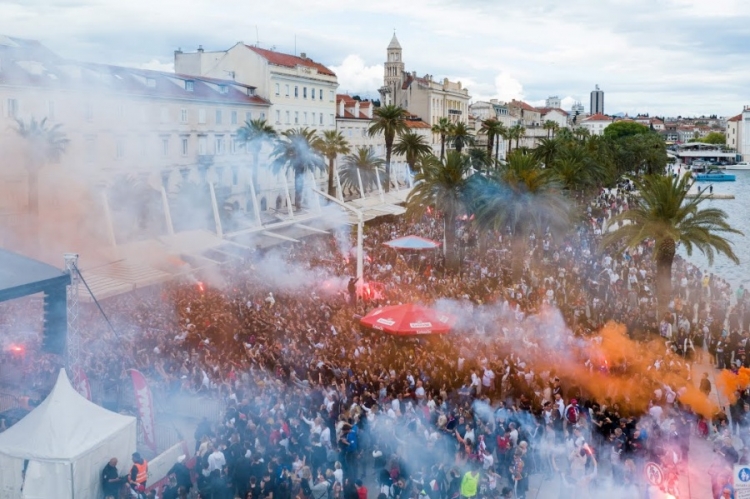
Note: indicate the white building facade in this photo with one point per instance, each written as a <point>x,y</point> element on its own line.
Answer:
<point>596,124</point>
<point>302,92</point>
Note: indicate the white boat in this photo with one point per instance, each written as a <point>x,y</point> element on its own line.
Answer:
<point>742,165</point>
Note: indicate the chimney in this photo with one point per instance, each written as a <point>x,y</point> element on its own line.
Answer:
<point>200,49</point>
<point>303,55</point>
<point>356,108</point>
<point>178,51</point>
<point>342,108</point>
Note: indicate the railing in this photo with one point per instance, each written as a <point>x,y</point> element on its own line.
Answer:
<point>8,401</point>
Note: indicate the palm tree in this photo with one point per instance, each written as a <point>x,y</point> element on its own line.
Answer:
<point>442,185</point>
<point>43,144</point>
<point>443,128</point>
<point>461,136</point>
<point>330,145</point>
<point>294,151</point>
<point>663,213</point>
<point>548,125</point>
<point>516,132</point>
<point>547,150</point>
<point>521,198</point>
<point>365,161</point>
<point>494,130</point>
<point>412,146</point>
<point>389,120</point>
<point>256,133</point>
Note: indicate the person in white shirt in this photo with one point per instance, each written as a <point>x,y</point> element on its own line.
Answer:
<point>216,460</point>
<point>488,378</point>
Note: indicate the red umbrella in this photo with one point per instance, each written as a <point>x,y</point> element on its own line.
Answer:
<point>408,320</point>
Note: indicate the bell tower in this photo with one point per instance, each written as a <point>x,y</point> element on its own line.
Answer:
<point>394,70</point>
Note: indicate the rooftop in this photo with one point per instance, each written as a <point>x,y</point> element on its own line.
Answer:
<point>290,61</point>
<point>598,117</point>
<point>22,276</point>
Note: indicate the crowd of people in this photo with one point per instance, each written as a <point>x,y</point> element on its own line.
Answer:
<point>318,407</point>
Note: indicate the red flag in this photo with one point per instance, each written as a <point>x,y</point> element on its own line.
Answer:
<point>81,382</point>
<point>145,408</point>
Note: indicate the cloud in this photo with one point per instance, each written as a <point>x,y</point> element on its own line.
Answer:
<point>157,65</point>
<point>505,88</point>
<point>357,78</point>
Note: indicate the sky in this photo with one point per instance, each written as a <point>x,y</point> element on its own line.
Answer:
<point>663,57</point>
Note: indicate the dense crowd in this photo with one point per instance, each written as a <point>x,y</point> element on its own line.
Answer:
<point>317,407</point>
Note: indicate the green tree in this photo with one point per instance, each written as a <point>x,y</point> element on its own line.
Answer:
<point>495,132</point>
<point>547,150</point>
<point>412,146</point>
<point>516,132</point>
<point>389,120</point>
<point>461,136</point>
<point>365,161</point>
<point>620,129</point>
<point>552,127</point>
<point>663,213</point>
<point>442,185</point>
<point>330,145</point>
<point>717,138</point>
<point>294,151</point>
<point>43,143</point>
<point>443,128</point>
<point>255,134</point>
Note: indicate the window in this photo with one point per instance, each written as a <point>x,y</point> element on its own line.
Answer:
<point>278,116</point>
<point>296,92</point>
<point>296,117</point>
<point>218,116</point>
<point>202,116</point>
<point>278,88</point>
<point>219,144</point>
<point>262,116</point>
<point>305,118</point>
<point>183,115</point>
<point>51,110</point>
<point>248,116</point>
<point>332,122</point>
<point>287,90</point>
<point>88,111</point>
<point>165,146</point>
<point>234,145</point>
<point>312,120</point>
<point>189,85</point>
<point>202,145</point>
<point>287,118</point>
<point>330,95</point>
<point>312,93</point>
<point>120,148</point>
<point>321,118</point>
<point>321,94</point>
<point>223,89</point>
<point>164,115</point>
<point>304,92</point>
<point>234,117</point>
<point>184,146</point>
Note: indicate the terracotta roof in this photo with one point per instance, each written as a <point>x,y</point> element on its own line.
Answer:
<point>44,69</point>
<point>417,123</point>
<point>522,105</point>
<point>598,117</point>
<point>545,110</point>
<point>736,118</point>
<point>344,97</point>
<point>350,116</point>
<point>657,121</point>
<point>290,61</point>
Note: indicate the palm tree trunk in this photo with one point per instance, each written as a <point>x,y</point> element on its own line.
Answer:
<point>256,166</point>
<point>451,254</point>
<point>664,258</point>
<point>442,147</point>
<point>387,181</point>
<point>497,148</point>
<point>299,182</point>
<point>331,189</point>
<point>490,144</point>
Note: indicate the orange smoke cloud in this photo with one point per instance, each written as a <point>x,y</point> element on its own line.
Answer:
<point>729,383</point>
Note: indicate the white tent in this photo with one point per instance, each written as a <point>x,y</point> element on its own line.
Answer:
<point>67,441</point>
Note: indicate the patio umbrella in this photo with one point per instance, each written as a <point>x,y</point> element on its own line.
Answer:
<point>408,320</point>
<point>413,243</point>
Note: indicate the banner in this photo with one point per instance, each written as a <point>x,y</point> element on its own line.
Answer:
<point>145,408</point>
<point>81,382</point>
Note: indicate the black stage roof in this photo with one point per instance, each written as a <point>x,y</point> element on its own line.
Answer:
<point>22,276</point>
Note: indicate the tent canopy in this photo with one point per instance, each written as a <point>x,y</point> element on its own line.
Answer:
<point>408,320</point>
<point>412,243</point>
<point>63,427</point>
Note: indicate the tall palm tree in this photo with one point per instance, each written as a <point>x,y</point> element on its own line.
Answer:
<point>389,120</point>
<point>461,136</point>
<point>365,161</point>
<point>256,133</point>
<point>43,143</point>
<point>411,145</point>
<point>330,145</point>
<point>520,198</point>
<point>547,150</point>
<point>516,132</point>
<point>548,125</point>
<point>294,151</point>
<point>494,130</point>
<point>663,213</point>
<point>442,185</point>
<point>443,128</point>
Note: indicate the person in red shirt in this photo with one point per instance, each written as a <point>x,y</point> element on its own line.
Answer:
<point>361,489</point>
